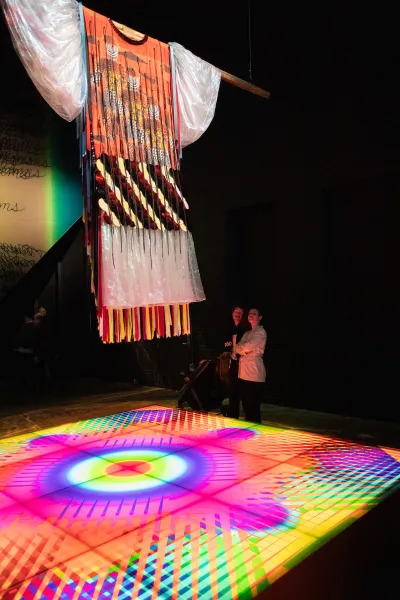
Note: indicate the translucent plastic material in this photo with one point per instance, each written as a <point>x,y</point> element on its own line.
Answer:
<point>47,37</point>
<point>197,85</point>
<point>133,276</point>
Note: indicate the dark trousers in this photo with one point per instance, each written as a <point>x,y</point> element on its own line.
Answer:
<point>234,399</point>
<point>234,391</point>
<point>25,369</point>
<point>251,393</point>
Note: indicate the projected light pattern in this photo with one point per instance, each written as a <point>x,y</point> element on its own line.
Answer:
<point>126,472</point>
<point>165,503</point>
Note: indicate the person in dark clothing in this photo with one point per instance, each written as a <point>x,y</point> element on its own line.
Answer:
<point>41,347</point>
<point>23,345</point>
<point>235,334</point>
<point>32,352</point>
<point>25,336</point>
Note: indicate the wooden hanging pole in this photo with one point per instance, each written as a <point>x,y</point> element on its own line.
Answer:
<point>244,85</point>
<point>232,79</point>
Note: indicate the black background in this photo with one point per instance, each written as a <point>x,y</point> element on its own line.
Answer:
<point>294,202</point>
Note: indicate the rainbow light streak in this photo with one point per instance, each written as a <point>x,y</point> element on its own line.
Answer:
<point>165,503</point>
<point>62,197</point>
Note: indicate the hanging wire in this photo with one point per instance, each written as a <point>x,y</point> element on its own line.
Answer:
<point>249,39</point>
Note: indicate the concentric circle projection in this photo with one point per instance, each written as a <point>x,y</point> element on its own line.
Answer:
<point>148,470</point>
<point>127,471</point>
<point>157,506</point>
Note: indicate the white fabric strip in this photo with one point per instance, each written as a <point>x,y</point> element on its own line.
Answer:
<point>197,85</point>
<point>47,37</point>
<point>132,276</point>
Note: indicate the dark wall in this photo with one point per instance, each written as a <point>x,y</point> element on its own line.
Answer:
<point>295,208</point>
<point>314,242</point>
<point>360,295</point>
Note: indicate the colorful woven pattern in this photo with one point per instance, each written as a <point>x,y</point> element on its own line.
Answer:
<point>162,503</point>
<point>143,262</point>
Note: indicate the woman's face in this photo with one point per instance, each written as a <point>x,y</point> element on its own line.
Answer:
<point>237,314</point>
<point>254,317</point>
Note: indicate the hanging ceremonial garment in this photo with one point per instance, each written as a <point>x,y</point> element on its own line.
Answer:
<point>134,79</point>
<point>143,259</point>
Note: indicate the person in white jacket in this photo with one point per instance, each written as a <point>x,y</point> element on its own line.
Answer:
<point>252,372</point>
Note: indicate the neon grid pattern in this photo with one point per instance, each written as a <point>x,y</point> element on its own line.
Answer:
<point>162,503</point>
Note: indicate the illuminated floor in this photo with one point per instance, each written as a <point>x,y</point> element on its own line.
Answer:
<point>161,503</point>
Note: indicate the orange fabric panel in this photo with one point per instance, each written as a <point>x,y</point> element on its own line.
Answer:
<point>130,100</point>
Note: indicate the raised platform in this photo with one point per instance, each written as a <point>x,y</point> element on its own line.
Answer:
<point>160,503</point>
